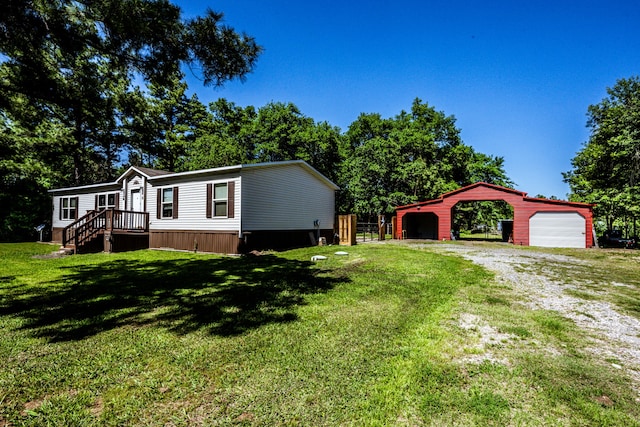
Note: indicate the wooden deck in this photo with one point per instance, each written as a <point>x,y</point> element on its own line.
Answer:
<point>110,230</point>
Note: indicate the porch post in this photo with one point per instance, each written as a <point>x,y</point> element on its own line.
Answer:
<point>109,220</point>
<point>108,242</point>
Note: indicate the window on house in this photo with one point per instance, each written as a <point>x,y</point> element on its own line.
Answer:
<point>220,199</point>
<point>69,208</point>
<point>167,203</point>
<point>106,201</point>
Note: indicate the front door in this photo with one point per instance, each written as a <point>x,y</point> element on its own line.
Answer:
<point>136,201</point>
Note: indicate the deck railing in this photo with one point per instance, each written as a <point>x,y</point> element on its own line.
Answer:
<point>94,223</point>
<point>70,232</point>
<point>127,220</point>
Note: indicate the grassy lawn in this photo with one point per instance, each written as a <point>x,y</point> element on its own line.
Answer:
<point>369,339</point>
<point>466,235</point>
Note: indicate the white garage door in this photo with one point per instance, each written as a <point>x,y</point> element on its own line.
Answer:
<point>557,230</point>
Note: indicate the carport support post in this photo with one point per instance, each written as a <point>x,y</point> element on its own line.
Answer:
<point>398,224</point>
<point>516,238</point>
<point>444,220</point>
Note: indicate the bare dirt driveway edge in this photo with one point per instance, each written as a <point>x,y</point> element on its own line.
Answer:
<point>613,335</point>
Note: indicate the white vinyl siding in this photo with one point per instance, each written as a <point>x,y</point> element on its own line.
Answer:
<point>86,203</point>
<point>192,205</point>
<point>285,198</point>
<point>135,184</point>
<point>557,230</point>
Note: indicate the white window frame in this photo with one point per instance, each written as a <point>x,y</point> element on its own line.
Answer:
<point>219,201</point>
<point>166,205</point>
<point>68,212</point>
<point>106,204</point>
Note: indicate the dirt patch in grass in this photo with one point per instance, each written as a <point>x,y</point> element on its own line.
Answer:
<point>52,255</point>
<point>487,337</point>
<point>31,406</point>
<point>97,408</point>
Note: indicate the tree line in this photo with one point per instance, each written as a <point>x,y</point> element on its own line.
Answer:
<point>379,163</point>
<point>90,87</point>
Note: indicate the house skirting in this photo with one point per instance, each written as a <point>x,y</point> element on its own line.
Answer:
<point>56,235</point>
<point>123,242</point>
<point>284,239</point>
<point>223,242</point>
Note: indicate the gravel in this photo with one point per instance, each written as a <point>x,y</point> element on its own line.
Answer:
<point>613,335</point>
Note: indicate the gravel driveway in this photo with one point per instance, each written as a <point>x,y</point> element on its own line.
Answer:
<point>613,335</point>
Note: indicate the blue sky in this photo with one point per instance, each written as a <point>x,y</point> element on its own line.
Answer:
<point>517,75</point>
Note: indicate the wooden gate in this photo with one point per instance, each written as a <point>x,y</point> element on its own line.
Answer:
<point>347,229</point>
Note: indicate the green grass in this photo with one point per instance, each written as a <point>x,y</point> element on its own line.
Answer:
<point>467,235</point>
<point>170,338</point>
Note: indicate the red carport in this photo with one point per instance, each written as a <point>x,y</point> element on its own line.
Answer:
<point>536,222</point>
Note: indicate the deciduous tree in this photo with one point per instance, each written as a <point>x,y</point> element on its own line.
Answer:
<point>224,138</point>
<point>416,155</point>
<point>74,59</point>
<point>606,171</point>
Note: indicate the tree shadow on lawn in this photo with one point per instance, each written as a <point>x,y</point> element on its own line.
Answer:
<point>225,296</point>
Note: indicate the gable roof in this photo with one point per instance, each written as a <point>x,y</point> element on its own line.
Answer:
<point>151,172</point>
<point>106,186</point>
<point>155,174</point>
<point>443,196</point>
<point>147,172</point>
<point>238,168</point>
<point>483,184</point>
<point>494,187</point>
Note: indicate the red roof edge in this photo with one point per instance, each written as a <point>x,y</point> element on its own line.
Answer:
<point>560,202</point>
<point>495,187</point>
<point>465,188</point>
<point>484,184</point>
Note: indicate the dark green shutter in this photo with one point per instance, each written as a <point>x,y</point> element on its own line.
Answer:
<point>209,200</point>
<point>231,198</point>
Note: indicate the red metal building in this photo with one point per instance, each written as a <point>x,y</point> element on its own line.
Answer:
<point>536,222</point>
